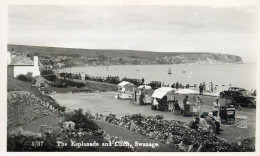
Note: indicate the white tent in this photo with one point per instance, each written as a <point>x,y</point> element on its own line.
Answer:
<point>161,92</point>
<point>123,83</point>
<point>125,90</point>
<point>145,87</point>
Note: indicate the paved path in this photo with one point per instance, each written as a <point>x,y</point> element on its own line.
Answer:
<point>132,137</point>
<point>105,103</point>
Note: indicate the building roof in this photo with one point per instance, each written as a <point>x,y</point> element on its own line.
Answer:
<point>21,61</point>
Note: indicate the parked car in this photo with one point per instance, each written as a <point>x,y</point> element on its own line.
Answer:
<point>155,84</point>
<point>239,96</point>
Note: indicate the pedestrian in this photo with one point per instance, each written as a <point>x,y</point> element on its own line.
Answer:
<point>142,80</point>
<point>155,104</point>
<point>201,89</point>
<point>141,100</point>
<point>177,85</point>
<point>186,105</point>
<point>211,87</point>
<point>216,107</point>
<point>204,86</point>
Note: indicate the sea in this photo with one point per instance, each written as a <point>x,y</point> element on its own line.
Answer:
<point>221,75</point>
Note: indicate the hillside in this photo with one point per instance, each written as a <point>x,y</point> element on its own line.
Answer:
<point>14,84</point>
<point>109,57</point>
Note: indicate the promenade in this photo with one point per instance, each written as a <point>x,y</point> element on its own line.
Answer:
<point>105,103</point>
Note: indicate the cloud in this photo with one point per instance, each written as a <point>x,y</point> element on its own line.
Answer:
<point>156,28</point>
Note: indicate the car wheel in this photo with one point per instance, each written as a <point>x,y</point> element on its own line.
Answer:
<point>250,104</point>
<point>230,121</point>
<point>221,95</point>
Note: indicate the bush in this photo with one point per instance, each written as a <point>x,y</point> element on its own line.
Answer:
<point>28,77</point>
<point>81,120</point>
<point>47,72</point>
<point>50,77</point>
<point>76,84</point>
<point>22,77</point>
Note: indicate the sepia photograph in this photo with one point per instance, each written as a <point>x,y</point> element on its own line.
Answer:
<point>131,77</point>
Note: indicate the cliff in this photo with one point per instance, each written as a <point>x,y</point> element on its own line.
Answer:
<point>200,58</point>
<point>82,57</point>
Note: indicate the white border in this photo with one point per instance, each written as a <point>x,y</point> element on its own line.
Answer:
<point>3,68</point>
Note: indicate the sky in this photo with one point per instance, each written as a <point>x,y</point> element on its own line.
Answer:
<point>162,28</point>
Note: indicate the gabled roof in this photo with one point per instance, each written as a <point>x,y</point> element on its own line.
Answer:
<point>21,61</point>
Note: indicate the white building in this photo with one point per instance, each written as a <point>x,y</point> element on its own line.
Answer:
<point>23,65</point>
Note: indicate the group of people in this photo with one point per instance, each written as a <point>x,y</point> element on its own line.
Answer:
<point>178,85</point>
<point>203,88</point>
<point>211,121</point>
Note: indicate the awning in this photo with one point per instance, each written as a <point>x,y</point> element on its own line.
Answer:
<point>145,87</point>
<point>161,92</point>
<point>123,83</point>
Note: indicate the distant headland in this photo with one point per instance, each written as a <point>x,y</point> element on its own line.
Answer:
<point>90,57</point>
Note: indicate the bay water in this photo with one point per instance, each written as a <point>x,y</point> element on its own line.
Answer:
<point>222,75</point>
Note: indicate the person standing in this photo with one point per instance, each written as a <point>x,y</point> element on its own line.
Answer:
<point>216,107</point>
<point>201,89</point>
<point>204,86</point>
<point>155,104</point>
<point>186,105</point>
<point>211,87</point>
<point>141,100</point>
<point>142,80</point>
<point>177,85</point>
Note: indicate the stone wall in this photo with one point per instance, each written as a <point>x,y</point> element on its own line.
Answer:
<point>23,107</point>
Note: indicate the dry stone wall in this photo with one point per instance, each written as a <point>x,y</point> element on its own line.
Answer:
<point>23,107</point>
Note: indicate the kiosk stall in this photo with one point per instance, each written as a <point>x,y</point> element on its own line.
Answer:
<point>125,90</point>
<point>163,98</point>
<point>144,94</point>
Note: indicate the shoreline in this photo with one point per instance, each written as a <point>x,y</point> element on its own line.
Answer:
<point>158,64</point>
<point>190,75</point>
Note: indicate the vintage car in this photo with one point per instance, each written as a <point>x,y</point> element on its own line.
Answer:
<point>155,84</point>
<point>239,96</point>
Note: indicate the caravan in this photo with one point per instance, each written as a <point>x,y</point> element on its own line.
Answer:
<point>163,98</point>
<point>125,90</point>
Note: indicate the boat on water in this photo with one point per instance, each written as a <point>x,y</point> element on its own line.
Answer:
<point>169,70</point>
<point>183,71</point>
